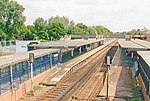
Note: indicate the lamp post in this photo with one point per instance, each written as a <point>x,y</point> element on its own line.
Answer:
<point>31,60</point>
<point>108,66</point>
<point>107,98</point>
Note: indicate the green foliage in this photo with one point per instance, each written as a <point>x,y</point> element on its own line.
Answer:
<point>63,20</point>
<point>81,29</point>
<point>92,30</point>
<point>11,18</point>
<point>39,24</point>
<point>56,30</point>
<point>12,25</point>
<point>102,30</point>
<point>2,35</point>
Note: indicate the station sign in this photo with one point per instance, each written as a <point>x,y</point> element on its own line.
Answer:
<point>108,60</point>
<point>31,57</point>
<point>15,86</point>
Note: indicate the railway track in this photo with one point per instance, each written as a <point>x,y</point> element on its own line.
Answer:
<point>91,87</point>
<point>71,79</point>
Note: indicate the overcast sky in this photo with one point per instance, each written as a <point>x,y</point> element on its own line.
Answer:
<point>117,15</point>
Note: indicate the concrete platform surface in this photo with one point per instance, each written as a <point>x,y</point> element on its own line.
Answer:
<point>119,83</point>
<point>119,80</point>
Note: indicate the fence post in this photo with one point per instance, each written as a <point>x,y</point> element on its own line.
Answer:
<point>45,61</point>
<point>34,67</point>
<point>11,76</point>
<point>40,64</point>
<point>50,56</point>
<point>20,72</point>
<point>28,68</point>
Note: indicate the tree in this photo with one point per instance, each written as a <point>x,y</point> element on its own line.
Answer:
<point>40,29</point>
<point>71,24</point>
<point>63,20</point>
<point>12,25</point>
<point>56,30</point>
<point>32,33</point>
<point>2,35</point>
<point>11,16</point>
<point>81,28</point>
<point>92,30</point>
<point>40,24</point>
<point>102,30</point>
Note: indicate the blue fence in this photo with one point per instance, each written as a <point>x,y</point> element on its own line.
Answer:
<point>56,58</point>
<point>21,71</point>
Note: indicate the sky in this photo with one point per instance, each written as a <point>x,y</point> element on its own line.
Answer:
<point>116,15</point>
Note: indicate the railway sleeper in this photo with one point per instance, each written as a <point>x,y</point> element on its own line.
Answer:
<point>64,85</point>
<point>80,99</point>
<point>44,99</point>
<point>38,99</point>
<point>52,94</point>
<point>47,96</point>
<point>71,82</point>
<point>48,99</point>
<point>61,88</point>
<point>58,91</point>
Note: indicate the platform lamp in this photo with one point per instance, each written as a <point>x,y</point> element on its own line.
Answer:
<point>108,66</point>
<point>31,60</point>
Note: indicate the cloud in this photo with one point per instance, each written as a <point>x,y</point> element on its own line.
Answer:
<point>117,15</point>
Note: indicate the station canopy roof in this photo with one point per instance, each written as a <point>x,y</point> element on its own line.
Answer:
<point>66,43</point>
<point>145,55</point>
<point>142,43</point>
<point>20,57</point>
<point>131,45</point>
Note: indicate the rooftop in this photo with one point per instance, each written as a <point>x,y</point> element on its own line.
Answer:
<point>66,43</point>
<point>145,55</point>
<point>19,57</point>
<point>130,44</point>
<point>142,43</point>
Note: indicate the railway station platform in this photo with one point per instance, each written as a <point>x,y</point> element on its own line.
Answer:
<point>119,82</point>
<point>62,69</point>
<point>138,52</point>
